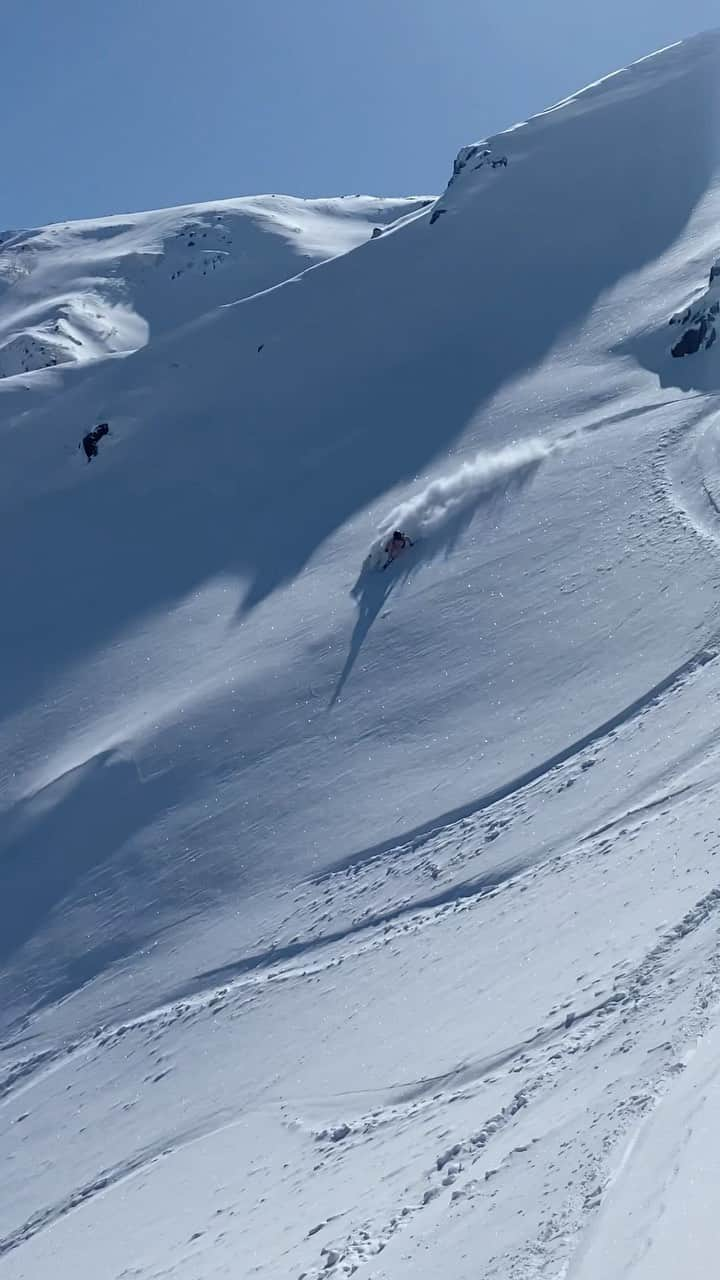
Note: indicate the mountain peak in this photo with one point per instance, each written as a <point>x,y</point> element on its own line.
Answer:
<point>73,292</point>
<point>359,717</point>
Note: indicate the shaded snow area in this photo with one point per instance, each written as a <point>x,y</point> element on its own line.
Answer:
<point>77,291</point>
<point>360,921</point>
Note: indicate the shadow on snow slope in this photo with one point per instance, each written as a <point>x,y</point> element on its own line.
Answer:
<point>372,364</point>
<point>699,372</point>
<point>65,834</point>
<point>435,518</point>
<point>225,459</point>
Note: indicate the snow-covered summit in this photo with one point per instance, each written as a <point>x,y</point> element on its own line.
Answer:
<point>584,118</point>
<point>360,922</point>
<point>75,291</point>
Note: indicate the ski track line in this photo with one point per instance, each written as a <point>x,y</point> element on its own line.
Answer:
<point>666,487</point>
<point>361,1245</point>
<point>107,1179</point>
<point>208,990</point>
<point>627,415</point>
<point>19,1071</point>
<point>418,835</point>
<point>117,1174</point>
<point>26,1075</point>
<point>635,815</point>
<point>209,987</point>
<point>269,968</point>
<point>629,988</point>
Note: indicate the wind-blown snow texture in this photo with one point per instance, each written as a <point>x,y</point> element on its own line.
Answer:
<point>355,922</point>
<point>447,498</point>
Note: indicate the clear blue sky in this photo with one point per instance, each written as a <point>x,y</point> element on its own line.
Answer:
<point>116,105</point>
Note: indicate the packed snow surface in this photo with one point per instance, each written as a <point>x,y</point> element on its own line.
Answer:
<point>357,921</point>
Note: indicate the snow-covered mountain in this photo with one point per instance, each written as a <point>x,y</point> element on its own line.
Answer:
<point>80,290</point>
<point>358,920</point>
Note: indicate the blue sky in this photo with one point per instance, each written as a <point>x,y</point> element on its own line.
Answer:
<point>111,107</point>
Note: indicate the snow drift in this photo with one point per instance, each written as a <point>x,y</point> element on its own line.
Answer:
<point>447,498</point>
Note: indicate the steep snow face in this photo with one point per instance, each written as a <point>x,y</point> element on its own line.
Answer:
<point>78,290</point>
<point>360,919</point>
<point>212,680</point>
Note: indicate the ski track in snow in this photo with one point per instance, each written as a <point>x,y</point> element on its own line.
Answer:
<point>287,962</point>
<point>110,1178</point>
<point>434,1053</point>
<point>543,1058</point>
<point>464,1170</point>
<point>550,1053</point>
<point>706,654</point>
<point>687,468</point>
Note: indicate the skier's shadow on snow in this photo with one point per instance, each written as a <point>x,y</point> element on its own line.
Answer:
<point>370,593</point>
<point>374,586</point>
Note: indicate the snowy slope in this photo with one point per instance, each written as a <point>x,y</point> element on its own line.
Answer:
<point>75,291</point>
<point>368,921</point>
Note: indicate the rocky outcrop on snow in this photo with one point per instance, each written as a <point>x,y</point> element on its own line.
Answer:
<point>478,156</point>
<point>700,322</point>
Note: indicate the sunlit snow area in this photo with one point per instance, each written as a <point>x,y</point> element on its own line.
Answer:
<point>360,917</point>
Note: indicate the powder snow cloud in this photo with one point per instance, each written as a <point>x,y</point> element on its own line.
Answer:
<point>444,499</point>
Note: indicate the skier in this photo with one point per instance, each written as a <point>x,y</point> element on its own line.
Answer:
<point>90,441</point>
<point>395,546</point>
